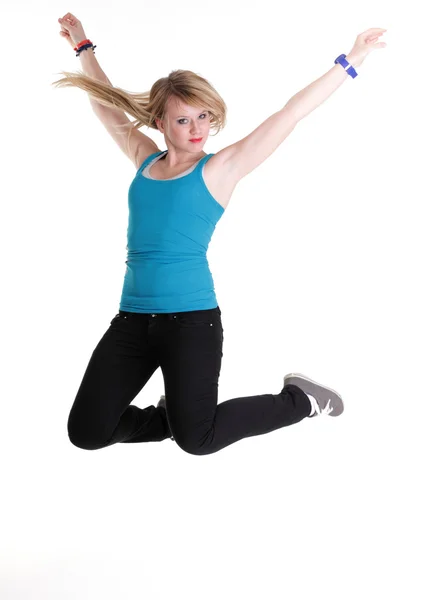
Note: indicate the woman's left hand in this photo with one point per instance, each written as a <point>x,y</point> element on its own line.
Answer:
<point>364,44</point>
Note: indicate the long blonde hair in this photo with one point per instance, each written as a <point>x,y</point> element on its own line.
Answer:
<point>187,86</point>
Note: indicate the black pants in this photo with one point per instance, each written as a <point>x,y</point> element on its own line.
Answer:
<point>188,348</point>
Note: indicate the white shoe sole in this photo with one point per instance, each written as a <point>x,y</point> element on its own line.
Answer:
<point>318,391</point>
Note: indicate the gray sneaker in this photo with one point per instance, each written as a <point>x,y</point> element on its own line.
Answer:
<point>162,404</point>
<point>329,402</point>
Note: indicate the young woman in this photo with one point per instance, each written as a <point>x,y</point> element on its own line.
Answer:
<point>168,315</point>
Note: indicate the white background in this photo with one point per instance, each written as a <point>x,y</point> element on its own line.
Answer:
<point>320,265</point>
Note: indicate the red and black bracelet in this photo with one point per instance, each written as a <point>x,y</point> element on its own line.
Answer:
<point>84,45</point>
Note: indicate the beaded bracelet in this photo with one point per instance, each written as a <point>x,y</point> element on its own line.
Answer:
<point>84,45</point>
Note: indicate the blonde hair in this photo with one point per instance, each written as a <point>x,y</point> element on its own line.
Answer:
<point>187,86</point>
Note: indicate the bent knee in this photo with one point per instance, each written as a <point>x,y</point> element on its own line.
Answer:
<point>86,440</point>
<point>193,447</point>
<point>85,443</point>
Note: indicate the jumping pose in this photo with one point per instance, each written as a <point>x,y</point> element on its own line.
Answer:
<point>168,314</point>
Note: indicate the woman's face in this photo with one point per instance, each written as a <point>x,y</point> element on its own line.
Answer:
<point>184,123</point>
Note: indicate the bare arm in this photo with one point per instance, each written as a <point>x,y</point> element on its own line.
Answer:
<point>138,146</point>
<point>91,67</point>
<point>305,101</point>
<point>249,152</point>
<point>135,144</point>
<point>73,32</point>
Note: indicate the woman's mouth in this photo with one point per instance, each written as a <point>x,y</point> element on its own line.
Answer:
<point>196,140</point>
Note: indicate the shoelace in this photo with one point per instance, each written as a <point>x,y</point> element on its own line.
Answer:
<point>325,411</point>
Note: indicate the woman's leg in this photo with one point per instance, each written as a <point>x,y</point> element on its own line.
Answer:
<point>190,359</point>
<point>121,364</point>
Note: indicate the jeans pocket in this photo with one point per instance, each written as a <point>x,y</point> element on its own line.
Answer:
<point>196,319</point>
<point>117,318</point>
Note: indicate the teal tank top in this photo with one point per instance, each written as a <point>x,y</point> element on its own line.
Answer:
<point>170,226</point>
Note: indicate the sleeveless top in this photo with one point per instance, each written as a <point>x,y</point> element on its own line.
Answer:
<point>170,226</point>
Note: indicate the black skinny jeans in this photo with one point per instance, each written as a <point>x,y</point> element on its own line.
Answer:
<point>188,348</point>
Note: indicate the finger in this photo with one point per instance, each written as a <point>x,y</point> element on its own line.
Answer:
<point>373,30</point>
<point>68,17</point>
<point>66,24</point>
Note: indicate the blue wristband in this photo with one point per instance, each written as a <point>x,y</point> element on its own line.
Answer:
<point>341,60</point>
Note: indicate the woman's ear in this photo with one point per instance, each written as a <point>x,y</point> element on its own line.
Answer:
<point>159,124</point>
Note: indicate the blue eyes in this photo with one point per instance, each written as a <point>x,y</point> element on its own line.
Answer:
<point>179,120</point>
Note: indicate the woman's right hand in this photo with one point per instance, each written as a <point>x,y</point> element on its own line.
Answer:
<point>71,29</point>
